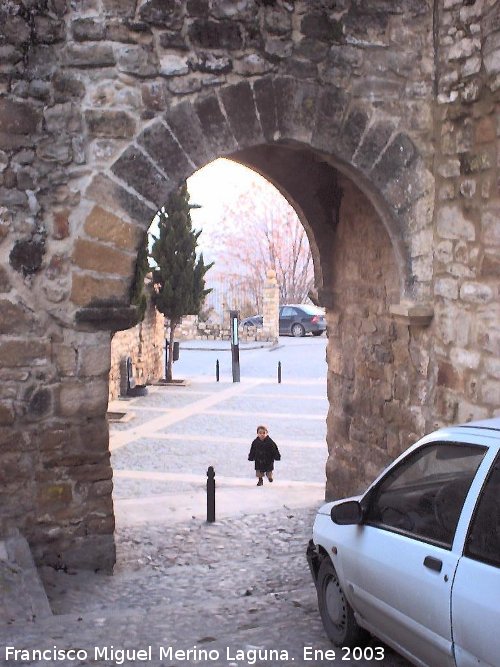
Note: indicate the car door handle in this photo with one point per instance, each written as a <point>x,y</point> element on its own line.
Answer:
<point>433,563</point>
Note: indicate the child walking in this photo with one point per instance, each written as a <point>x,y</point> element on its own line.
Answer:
<point>264,451</point>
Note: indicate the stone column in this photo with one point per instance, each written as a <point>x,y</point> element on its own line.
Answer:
<point>271,302</point>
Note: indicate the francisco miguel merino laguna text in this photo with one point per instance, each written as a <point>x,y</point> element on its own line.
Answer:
<point>121,656</point>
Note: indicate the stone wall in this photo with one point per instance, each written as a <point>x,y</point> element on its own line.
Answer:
<point>145,345</point>
<point>467,231</point>
<point>194,330</point>
<point>190,328</point>
<point>106,106</point>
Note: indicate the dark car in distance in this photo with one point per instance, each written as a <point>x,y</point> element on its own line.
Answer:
<point>300,319</point>
<point>294,319</point>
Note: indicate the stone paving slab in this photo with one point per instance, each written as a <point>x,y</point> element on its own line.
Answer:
<point>280,426</point>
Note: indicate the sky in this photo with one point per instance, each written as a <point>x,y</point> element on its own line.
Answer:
<point>212,188</point>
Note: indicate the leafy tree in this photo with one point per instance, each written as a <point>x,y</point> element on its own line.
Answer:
<point>178,275</point>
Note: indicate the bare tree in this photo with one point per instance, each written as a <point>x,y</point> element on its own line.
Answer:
<point>259,230</point>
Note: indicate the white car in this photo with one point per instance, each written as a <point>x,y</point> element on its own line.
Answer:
<point>415,560</point>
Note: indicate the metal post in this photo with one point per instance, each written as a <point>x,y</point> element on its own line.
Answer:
<point>217,374</point>
<point>210,495</point>
<point>235,345</point>
<point>279,372</point>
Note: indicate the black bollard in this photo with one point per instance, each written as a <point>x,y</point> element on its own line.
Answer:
<point>210,495</point>
<point>217,375</point>
<point>279,372</point>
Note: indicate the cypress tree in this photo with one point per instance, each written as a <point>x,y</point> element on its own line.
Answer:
<point>178,275</point>
<point>138,297</point>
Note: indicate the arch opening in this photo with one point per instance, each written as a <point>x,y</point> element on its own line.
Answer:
<point>358,277</point>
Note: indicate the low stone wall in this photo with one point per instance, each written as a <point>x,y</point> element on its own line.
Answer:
<point>144,344</point>
<point>191,329</point>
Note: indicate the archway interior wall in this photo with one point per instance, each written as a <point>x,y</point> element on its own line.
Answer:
<point>378,366</point>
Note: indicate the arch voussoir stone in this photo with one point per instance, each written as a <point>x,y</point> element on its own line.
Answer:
<point>409,186</point>
<point>351,133</point>
<point>239,105</point>
<point>398,156</point>
<point>331,106</point>
<point>265,102</point>
<point>135,169</point>
<point>186,128</point>
<point>373,143</point>
<point>296,108</point>
<point>161,145</point>
<point>219,138</point>
<point>87,290</point>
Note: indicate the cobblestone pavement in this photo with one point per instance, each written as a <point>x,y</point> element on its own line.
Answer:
<point>216,593</point>
<point>235,585</point>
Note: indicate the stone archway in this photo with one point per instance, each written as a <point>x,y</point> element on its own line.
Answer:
<point>311,144</point>
<point>291,150</point>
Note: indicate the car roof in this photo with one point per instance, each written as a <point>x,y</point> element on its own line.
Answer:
<point>492,424</point>
<point>486,429</point>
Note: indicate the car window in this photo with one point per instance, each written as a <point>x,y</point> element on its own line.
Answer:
<point>423,495</point>
<point>312,310</point>
<point>287,312</point>
<point>483,541</point>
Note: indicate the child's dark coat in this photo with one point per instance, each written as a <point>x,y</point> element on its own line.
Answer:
<point>264,453</point>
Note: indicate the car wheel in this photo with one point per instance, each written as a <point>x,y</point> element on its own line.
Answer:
<point>336,612</point>
<point>298,330</point>
<point>317,333</point>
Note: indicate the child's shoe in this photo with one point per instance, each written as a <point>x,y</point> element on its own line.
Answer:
<point>260,482</point>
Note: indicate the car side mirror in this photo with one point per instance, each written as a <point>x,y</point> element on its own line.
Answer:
<point>348,513</point>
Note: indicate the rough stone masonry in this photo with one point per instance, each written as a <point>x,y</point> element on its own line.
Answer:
<point>380,123</point>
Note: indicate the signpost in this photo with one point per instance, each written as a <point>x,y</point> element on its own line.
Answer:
<point>235,345</point>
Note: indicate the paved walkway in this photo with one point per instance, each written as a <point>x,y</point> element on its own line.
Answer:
<point>215,593</point>
<point>161,463</point>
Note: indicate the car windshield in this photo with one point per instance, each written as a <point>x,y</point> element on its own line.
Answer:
<point>437,463</point>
